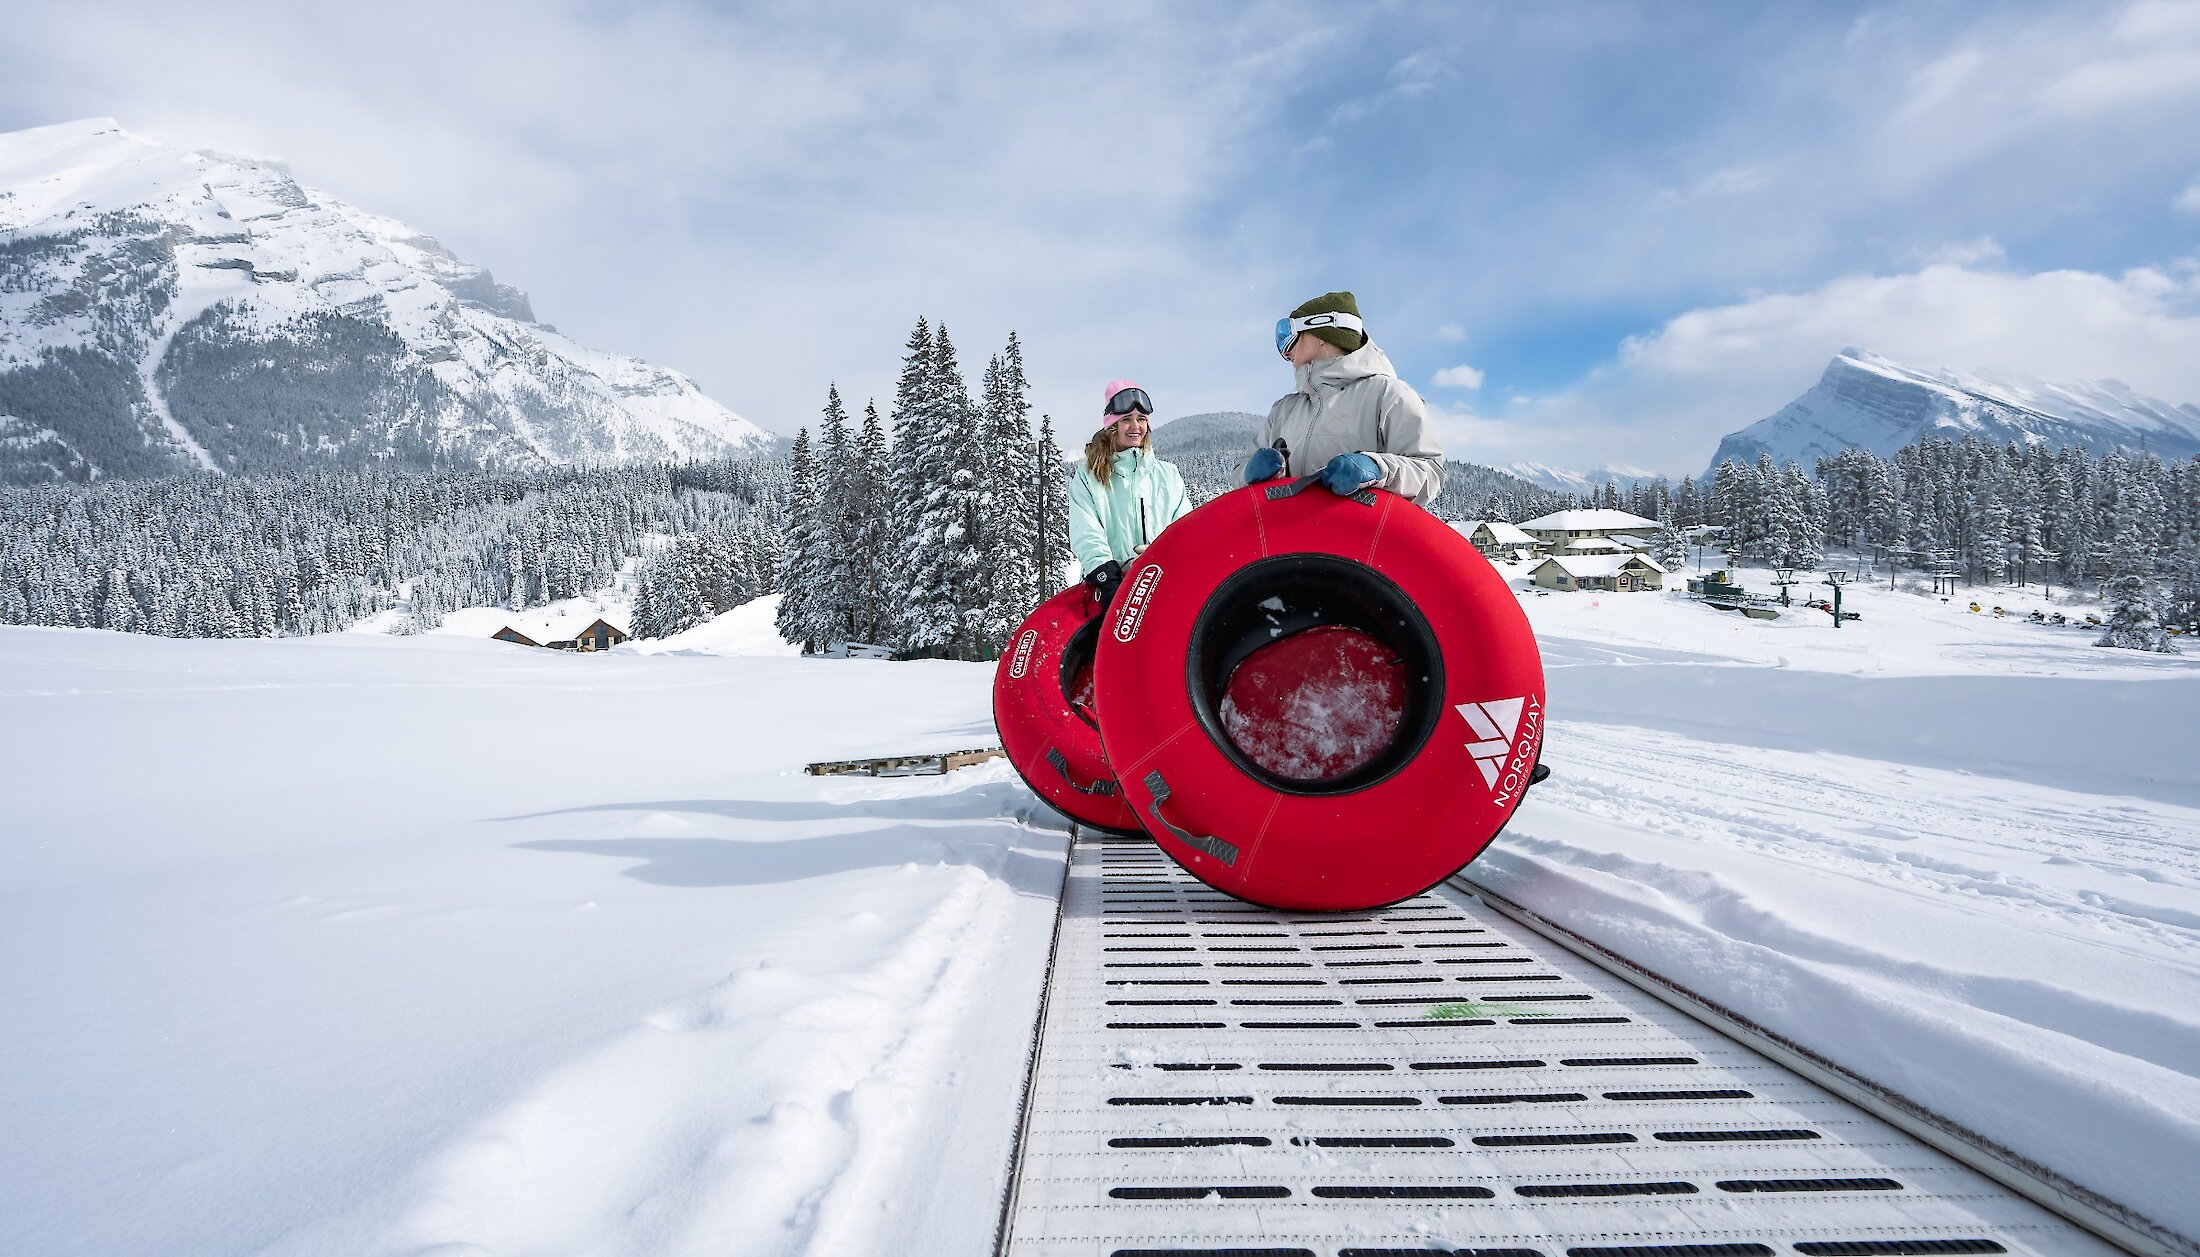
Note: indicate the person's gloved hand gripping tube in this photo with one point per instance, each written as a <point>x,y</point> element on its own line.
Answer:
<point>1103,581</point>
<point>1267,464</point>
<point>1347,474</point>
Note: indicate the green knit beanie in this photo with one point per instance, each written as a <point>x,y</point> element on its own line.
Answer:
<point>1333,303</point>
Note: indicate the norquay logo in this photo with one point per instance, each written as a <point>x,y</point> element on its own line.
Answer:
<point>1135,603</point>
<point>1022,662</point>
<point>1508,732</point>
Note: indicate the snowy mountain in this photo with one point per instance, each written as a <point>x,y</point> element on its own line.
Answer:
<point>163,309</point>
<point>1562,480</point>
<point>1867,401</point>
<point>1228,433</point>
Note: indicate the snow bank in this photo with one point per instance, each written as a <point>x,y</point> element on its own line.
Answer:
<point>360,944</point>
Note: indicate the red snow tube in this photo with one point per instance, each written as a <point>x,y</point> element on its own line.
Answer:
<point>1042,704</point>
<point>1317,702</point>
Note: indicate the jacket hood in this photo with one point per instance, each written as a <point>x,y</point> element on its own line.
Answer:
<point>1335,373</point>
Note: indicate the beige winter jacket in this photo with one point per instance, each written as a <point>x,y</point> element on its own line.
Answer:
<point>1357,403</point>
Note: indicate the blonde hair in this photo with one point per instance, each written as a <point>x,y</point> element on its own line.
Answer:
<point>1100,451</point>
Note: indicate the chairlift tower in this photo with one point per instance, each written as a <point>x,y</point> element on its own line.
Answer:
<point>1945,572</point>
<point>1784,577</point>
<point>1837,577</point>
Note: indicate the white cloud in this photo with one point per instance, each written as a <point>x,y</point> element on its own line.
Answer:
<point>2189,199</point>
<point>1467,434</point>
<point>1451,333</point>
<point>1461,376</point>
<point>649,172</point>
<point>1982,251</point>
<point>1668,396</point>
<point>1937,82</point>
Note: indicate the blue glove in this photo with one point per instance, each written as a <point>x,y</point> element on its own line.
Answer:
<point>1349,473</point>
<point>1267,464</point>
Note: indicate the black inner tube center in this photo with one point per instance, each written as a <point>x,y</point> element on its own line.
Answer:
<point>1076,679</point>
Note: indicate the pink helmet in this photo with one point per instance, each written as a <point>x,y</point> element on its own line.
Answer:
<point>1109,413</point>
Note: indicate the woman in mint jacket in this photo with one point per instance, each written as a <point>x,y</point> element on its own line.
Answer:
<point>1123,496</point>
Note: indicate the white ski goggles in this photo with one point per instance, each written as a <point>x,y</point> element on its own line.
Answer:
<point>1288,329</point>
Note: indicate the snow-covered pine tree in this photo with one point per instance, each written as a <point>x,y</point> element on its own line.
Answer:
<point>796,619</point>
<point>869,506</point>
<point>1729,507</point>
<point>1687,504</point>
<point>912,435</point>
<point>944,550</point>
<point>2182,595</point>
<point>832,607</point>
<point>1668,547</point>
<point>1886,523</point>
<point>1804,510</point>
<point>1007,543</point>
<point>1051,557</point>
<point>2133,622</point>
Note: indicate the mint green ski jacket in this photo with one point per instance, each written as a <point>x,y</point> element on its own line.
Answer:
<point>1116,520</point>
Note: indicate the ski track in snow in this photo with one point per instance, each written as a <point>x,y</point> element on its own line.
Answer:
<point>1858,818</point>
<point>1964,939</point>
<point>698,1150</point>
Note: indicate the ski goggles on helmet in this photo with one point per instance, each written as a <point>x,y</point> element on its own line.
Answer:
<point>1128,400</point>
<point>1288,330</point>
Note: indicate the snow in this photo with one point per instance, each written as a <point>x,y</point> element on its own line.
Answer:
<point>1597,519</point>
<point>1957,855</point>
<point>361,944</point>
<point>371,944</point>
<point>749,629</point>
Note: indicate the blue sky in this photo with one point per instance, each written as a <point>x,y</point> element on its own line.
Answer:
<point>1640,225</point>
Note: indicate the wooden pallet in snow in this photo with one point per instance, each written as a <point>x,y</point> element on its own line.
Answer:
<point>905,765</point>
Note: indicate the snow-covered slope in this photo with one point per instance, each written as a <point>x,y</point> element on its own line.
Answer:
<point>523,952</point>
<point>1864,400</point>
<point>163,309</point>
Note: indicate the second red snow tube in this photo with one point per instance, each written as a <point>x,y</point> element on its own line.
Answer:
<point>1318,702</point>
<point>1042,705</point>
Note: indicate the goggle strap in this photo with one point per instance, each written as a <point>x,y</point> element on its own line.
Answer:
<point>1350,322</point>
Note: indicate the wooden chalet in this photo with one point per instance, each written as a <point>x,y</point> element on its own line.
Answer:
<point>601,634</point>
<point>1619,573</point>
<point>1497,540</point>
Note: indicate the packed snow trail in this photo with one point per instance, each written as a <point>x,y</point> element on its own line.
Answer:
<point>1216,1078</point>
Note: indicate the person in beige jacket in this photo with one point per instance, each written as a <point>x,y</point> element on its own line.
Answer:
<point>1351,420</point>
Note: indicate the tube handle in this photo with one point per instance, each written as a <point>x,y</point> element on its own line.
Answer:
<point>1292,488</point>
<point>1100,788</point>
<point>1220,849</point>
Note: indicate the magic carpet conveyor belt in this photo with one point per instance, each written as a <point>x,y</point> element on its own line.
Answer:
<point>1216,1078</point>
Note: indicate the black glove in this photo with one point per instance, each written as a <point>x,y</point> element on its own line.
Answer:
<point>1103,581</point>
